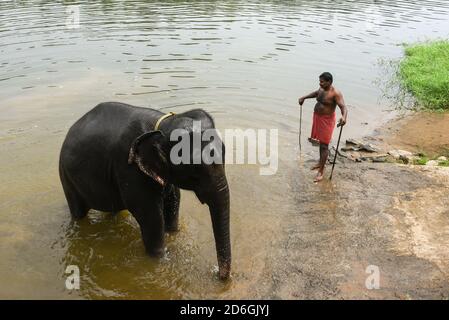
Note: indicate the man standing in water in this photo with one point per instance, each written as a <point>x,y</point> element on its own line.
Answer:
<point>328,97</point>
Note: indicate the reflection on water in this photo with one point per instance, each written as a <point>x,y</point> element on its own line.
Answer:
<point>245,62</point>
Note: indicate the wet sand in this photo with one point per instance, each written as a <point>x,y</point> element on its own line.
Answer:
<point>391,216</point>
<point>419,132</point>
<point>387,215</point>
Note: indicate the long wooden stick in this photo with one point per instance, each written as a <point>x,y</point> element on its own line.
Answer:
<point>336,152</point>
<point>300,125</point>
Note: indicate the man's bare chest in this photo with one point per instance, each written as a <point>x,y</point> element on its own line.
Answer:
<point>326,98</point>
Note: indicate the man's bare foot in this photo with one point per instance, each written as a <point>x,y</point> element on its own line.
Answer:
<point>315,167</point>
<point>318,177</point>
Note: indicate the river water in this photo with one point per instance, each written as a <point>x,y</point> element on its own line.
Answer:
<point>245,62</point>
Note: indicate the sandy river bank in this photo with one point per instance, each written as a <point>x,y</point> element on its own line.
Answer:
<point>391,216</point>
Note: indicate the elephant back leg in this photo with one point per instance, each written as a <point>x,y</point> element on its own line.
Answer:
<point>172,197</point>
<point>77,206</point>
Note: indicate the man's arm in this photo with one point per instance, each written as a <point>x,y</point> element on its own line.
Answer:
<point>310,95</point>
<point>344,110</point>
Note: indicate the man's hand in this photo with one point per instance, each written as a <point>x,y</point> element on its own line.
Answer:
<point>310,95</point>
<point>341,122</point>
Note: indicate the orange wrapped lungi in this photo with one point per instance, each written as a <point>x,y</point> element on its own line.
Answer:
<point>323,127</point>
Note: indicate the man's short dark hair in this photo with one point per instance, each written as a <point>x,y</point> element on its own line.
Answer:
<point>326,76</point>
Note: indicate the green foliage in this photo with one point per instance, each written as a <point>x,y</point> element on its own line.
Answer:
<point>424,72</point>
<point>444,163</point>
<point>422,161</point>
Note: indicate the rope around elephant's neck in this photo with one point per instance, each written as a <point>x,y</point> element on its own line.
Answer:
<point>156,126</point>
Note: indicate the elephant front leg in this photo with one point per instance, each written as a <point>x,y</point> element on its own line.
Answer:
<point>152,229</point>
<point>172,197</point>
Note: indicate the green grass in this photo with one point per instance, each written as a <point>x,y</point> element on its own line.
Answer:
<point>424,72</point>
<point>422,161</point>
<point>444,163</point>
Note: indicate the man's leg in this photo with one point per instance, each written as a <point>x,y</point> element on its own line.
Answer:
<point>316,166</point>
<point>324,154</point>
<point>315,142</point>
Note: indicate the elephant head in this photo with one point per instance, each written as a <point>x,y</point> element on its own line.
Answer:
<point>152,152</point>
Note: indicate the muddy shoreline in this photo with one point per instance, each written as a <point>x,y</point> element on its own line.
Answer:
<point>424,132</point>
<point>387,215</point>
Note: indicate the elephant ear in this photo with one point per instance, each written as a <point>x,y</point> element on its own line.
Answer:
<point>147,151</point>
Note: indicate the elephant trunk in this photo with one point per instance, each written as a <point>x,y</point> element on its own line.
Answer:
<point>219,211</point>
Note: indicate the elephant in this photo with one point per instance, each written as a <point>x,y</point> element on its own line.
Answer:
<point>117,157</point>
